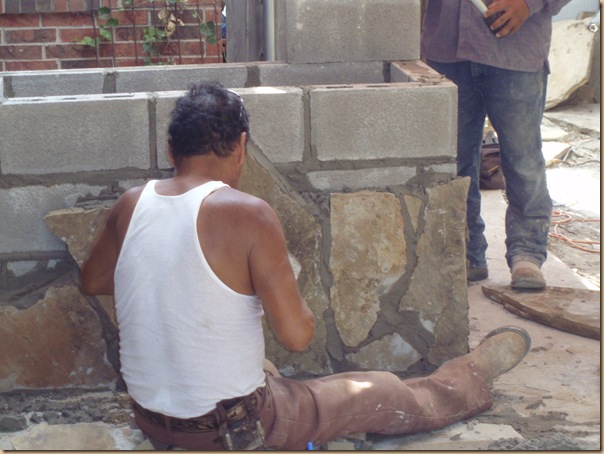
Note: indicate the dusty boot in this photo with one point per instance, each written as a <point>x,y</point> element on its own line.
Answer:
<point>501,350</point>
<point>527,275</point>
<point>476,272</point>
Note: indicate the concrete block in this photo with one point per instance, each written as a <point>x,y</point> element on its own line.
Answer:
<point>408,120</point>
<point>164,104</point>
<point>23,209</point>
<point>25,84</point>
<point>276,121</point>
<point>281,74</point>
<point>320,31</point>
<point>414,71</point>
<point>74,134</point>
<point>354,180</point>
<point>169,78</point>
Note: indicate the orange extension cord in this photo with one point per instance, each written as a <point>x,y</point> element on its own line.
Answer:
<point>566,218</point>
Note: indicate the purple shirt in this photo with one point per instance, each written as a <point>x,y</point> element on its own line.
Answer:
<point>454,31</point>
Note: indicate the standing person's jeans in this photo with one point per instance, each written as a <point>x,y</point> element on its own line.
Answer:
<point>514,102</point>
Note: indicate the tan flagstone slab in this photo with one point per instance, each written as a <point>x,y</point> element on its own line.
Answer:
<point>572,310</point>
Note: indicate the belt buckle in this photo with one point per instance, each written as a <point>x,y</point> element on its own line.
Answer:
<point>242,435</point>
<point>240,428</point>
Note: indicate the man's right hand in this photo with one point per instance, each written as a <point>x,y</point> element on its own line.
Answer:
<point>515,14</point>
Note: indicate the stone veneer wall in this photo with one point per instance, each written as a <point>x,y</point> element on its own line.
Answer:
<point>357,158</point>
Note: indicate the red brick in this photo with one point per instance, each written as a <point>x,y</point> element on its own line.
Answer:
<point>21,52</point>
<point>31,65</point>
<point>108,50</point>
<point>78,5</point>
<point>126,34</point>
<point>128,62</point>
<point>40,35</point>
<point>71,35</point>
<point>86,63</point>
<point>19,20</point>
<point>69,51</point>
<point>61,6</point>
<point>190,32</point>
<point>67,20</point>
<point>192,60</point>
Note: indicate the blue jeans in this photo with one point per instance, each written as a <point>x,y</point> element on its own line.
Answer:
<point>514,102</point>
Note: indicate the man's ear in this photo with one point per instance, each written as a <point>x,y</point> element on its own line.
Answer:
<point>170,156</point>
<point>241,148</point>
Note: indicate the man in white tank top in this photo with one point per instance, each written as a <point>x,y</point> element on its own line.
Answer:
<point>194,264</point>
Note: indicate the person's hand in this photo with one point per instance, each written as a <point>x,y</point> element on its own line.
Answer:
<point>515,13</point>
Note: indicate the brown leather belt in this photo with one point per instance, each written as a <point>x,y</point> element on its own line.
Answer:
<point>235,410</point>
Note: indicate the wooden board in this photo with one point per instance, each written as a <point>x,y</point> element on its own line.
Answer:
<point>572,310</point>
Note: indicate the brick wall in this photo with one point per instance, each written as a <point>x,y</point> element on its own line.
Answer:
<point>49,34</point>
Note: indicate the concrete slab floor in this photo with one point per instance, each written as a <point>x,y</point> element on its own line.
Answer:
<point>551,401</point>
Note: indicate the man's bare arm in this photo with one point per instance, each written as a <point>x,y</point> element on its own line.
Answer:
<point>97,272</point>
<point>274,282</point>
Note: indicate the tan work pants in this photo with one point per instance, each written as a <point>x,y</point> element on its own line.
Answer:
<point>295,412</point>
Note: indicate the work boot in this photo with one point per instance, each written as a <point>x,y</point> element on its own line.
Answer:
<point>527,275</point>
<point>500,351</point>
<point>477,273</point>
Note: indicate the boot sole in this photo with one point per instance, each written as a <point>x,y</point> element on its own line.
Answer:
<point>528,284</point>
<point>514,329</point>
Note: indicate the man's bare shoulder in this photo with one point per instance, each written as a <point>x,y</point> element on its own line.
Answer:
<point>241,205</point>
<point>128,199</point>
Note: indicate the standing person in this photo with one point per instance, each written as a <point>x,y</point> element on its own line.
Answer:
<point>194,264</point>
<point>502,73</point>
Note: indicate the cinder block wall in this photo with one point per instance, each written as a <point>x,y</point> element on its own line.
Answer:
<point>358,159</point>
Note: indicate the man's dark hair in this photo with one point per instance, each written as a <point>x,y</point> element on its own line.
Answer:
<point>209,118</point>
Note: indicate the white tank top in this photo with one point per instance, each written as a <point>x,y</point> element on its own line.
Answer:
<point>187,340</point>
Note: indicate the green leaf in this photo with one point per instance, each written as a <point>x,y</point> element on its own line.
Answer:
<point>88,41</point>
<point>208,29</point>
<point>104,12</point>
<point>105,34</point>
<point>112,22</point>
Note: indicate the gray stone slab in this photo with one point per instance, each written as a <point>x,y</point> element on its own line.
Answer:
<point>583,118</point>
<point>74,134</point>
<point>23,209</point>
<point>551,132</point>
<point>388,121</point>
<point>320,31</point>
<point>282,74</point>
<point>169,78</point>
<point>54,83</point>
<point>570,59</point>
